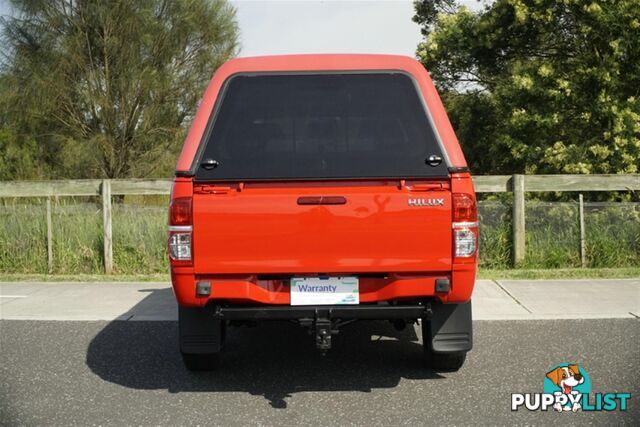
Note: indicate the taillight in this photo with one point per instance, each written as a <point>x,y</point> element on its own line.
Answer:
<point>180,229</point>
<point>180,212</point>
<point>465,225</point>
<point>464,208</point>
<point>180,245</point>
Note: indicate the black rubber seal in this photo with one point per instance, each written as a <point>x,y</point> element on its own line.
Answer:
<point>458,169</point>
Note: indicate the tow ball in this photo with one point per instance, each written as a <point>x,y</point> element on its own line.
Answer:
<point>324,331</point>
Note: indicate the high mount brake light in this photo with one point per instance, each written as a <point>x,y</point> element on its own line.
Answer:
<point>465,225</point>
<point>180,229</point>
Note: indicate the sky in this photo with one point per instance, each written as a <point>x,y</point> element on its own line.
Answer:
<point>270,27</point>
<point>308,26</point>
<point>329,26</point>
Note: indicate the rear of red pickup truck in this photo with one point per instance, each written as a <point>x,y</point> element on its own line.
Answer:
<point>323,189</point>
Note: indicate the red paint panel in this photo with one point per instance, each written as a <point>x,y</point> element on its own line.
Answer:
<point>263,229</point>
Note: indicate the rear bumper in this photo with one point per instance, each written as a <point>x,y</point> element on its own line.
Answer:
<point>249,290</point>
<point>450,326</point>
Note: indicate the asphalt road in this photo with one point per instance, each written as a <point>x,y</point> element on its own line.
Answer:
<point>130,373</point>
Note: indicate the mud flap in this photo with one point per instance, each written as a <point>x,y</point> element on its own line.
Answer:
<point>200,331</point>
<point>451,328</point>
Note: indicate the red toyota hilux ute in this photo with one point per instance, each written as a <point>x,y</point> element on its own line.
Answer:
<point>323,189</point>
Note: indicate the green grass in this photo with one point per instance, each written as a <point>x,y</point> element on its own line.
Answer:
<point>553,236</point>
<point>139,237</point>
<point>491,274</point>
<point>495,235</point>
<point>23,246</point>
<point>77,237</point>
<point>562,273</point>
<point>22,277</point>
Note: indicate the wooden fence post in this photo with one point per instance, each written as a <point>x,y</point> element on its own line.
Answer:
<point>105,189</point>
<point>49,236</point>
<point>518,220</point>
<point>583,254</point>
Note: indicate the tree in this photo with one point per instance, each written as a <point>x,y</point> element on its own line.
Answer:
<point>427,12</point>
<point>540,86</point>
<point>107,87</point>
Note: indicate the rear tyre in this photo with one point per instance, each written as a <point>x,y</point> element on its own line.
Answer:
<point>201,362</point>
<point>440,362</point>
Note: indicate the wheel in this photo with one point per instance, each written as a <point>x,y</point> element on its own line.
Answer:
<point>201,362</point>
<point>440,362</point>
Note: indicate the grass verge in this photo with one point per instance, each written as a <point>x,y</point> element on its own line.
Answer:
<point>561,273</point>
<point>19,277</point>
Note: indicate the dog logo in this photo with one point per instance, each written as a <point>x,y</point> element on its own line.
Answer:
<point>567,388</point>
<point>566,378</point>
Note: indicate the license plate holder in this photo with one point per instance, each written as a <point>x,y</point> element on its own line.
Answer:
<point>333,290</point>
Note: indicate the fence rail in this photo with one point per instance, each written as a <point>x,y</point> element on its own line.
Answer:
<point>516,184</point>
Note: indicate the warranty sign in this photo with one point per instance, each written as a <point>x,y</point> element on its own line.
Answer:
<point>324,290</point>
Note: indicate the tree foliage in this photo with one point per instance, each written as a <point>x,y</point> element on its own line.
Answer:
<point>539,86</point>
<point>427,12</point>
<point>105,88</point>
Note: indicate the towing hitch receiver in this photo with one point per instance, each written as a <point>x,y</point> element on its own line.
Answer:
<point>324,330</point>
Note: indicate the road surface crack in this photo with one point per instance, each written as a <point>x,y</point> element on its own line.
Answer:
<point>512,297</point>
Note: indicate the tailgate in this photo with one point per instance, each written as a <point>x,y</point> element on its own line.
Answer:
<point>270,228</point>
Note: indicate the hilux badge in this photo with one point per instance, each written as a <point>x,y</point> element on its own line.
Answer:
<point>426,202</point>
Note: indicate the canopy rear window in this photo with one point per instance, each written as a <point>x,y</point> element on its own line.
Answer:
<point>314,126</point>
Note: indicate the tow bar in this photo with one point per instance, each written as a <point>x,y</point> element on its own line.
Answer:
<point>325,321</point>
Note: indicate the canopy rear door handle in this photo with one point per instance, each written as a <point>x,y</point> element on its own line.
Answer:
<point>322,200</point>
